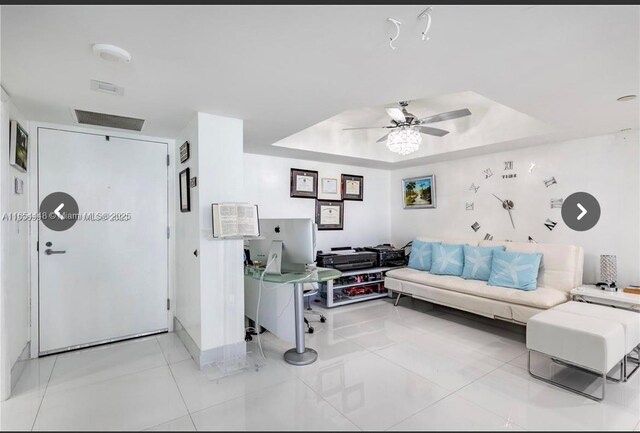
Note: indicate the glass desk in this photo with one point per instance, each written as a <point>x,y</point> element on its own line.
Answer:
<point>300,355</point>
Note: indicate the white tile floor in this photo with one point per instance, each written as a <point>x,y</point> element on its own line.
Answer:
<point>380,367</point>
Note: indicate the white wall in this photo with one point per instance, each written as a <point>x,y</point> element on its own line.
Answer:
<point>366,222</point>
<point>15,246</point>
<point>604,166</point>
<point>221,261</point>
<point>187,240</point>
<point>210,286</point>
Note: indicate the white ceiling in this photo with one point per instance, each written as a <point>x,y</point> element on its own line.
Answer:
<point>489,124</point>
<point>284,68</point>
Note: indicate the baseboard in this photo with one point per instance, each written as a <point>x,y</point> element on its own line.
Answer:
<point>207,357</point>
<point>183,335</point>
<point>18,367</point>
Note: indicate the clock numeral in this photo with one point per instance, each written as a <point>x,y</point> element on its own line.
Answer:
<point>487,173</point>
<point>488,237</point>
<point>550,224</point>
<point>550,181</point>
<point>475,226</point>
<point>468,206</point>
<point>532,167</point>
<point>556,203</point>
<point>508,165</point>
<point>474,188</point>
<point>532,241</point>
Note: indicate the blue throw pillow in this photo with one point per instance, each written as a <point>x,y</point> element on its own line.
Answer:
<point>477,262</point>
<point>448,259</point>
<point>515,270</point>
<point>420,257</point>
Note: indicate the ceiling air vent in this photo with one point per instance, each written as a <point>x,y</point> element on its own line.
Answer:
<point>109,120</point>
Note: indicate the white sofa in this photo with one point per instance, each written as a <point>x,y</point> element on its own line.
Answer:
<point>560,271</point>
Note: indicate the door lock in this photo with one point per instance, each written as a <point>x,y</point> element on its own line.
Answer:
<point>49,251</point>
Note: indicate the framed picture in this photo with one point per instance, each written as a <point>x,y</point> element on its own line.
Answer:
<point>18,146</point>
<point>330,214</point>
<point>352,187</point>
<point>419,192</point>
<point>184,151</point>
<point>304,183</point>
<point>329,185</point>
<point>185,193</point>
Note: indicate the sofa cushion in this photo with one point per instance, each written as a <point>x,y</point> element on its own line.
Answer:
<point>515,270</point>
<point>561,267</point>
<point>477,262</point>
<point>542,298</point>
<point>447,259</point>
<point>420,256</point>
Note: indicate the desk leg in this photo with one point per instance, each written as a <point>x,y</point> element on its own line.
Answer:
<point>300,355</point>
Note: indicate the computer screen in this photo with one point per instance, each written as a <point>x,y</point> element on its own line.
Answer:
<point>298,237</point>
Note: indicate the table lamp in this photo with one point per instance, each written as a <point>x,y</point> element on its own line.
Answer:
<point>608,273</point>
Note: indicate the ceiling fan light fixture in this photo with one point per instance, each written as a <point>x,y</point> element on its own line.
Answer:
<point>404,141</point>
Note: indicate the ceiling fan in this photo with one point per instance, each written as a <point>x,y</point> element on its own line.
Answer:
<point>401,118</point>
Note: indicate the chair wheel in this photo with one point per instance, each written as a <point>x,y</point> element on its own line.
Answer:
<point>323,319</point>
<point>310,330</point>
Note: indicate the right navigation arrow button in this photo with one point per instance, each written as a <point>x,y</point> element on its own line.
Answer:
<point>580,211</point>
<point>583,213</point>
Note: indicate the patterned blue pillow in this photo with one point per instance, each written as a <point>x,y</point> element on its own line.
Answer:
<point>420,257</point>
<point>515,270</point>
<point>477,262</point>
<point>448,259</point>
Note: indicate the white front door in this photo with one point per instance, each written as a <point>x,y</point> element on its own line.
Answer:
<point>102,280</point>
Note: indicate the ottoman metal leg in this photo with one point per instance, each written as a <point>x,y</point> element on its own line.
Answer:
<point>630,359</point>
<point>559,385</point>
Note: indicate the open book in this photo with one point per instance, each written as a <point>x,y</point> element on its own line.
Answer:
<point>235,220</point>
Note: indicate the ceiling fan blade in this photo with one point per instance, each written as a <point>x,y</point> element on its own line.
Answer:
<point>446,116</point>
<point>383,138</point>
<point>432,131</point>
<point>367,127</point>
<point>396,114</point>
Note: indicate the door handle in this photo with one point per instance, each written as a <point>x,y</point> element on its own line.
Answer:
<point>49,251</point>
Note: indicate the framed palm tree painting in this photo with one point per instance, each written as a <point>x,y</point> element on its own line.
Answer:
<point>419,192</point>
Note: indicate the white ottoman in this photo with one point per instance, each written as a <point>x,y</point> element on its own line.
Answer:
<point>629,320</point>
<point>593,344</point>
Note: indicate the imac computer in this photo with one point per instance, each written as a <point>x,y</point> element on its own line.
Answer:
<point>286,244</point>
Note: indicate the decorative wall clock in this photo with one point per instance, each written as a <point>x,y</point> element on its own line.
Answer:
<point>489,184</point>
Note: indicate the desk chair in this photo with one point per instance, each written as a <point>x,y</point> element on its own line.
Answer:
<point>311,290</point>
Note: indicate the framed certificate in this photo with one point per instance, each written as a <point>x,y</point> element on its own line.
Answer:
<point>304,183</point>
<point>352,187</point>
<point>330,214</point>
<point>329,185</point>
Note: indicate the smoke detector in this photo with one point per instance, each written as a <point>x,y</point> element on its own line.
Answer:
<point>111,53</point>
